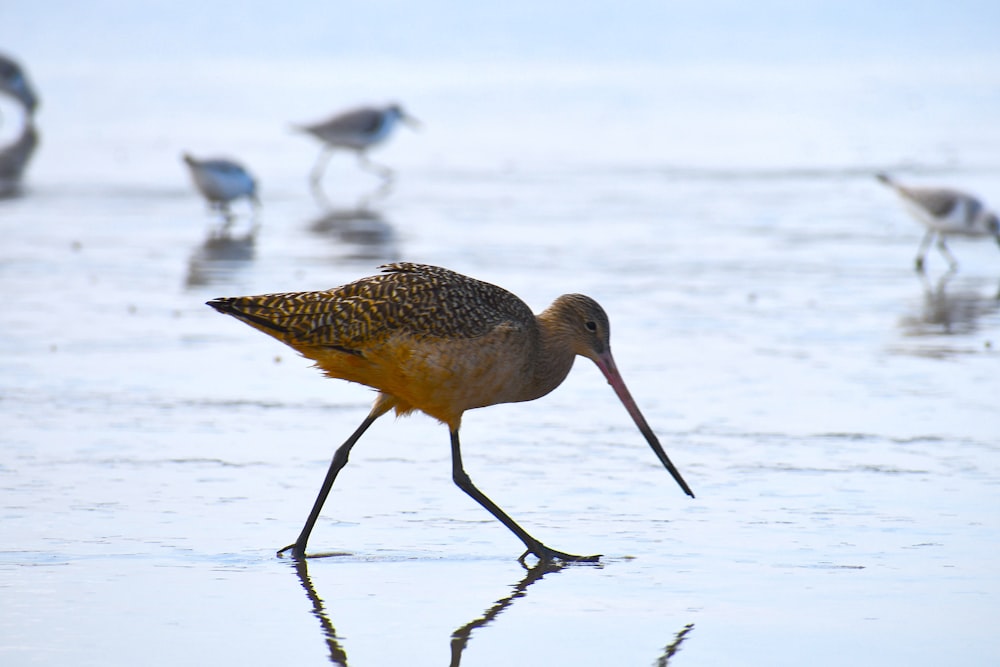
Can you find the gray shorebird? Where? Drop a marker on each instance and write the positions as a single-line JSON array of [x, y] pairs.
[[945, 212], [15, 156], [356, 130], [433, 340], [221, 182]]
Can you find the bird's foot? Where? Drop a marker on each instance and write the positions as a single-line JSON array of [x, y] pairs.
[[298, 553], [545, 554]]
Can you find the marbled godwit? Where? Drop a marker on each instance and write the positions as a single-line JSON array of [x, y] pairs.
[[945, 212], [356, 130], [433, 340], [15, 156], [221, 182]]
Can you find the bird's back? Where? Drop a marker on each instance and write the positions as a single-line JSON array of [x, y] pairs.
[[356, 129], [221, 180], [433, 338], [413, 299], [945, 210]]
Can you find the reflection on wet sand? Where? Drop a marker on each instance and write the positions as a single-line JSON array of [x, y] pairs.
[[220, 256], [383, 190], [460, 637], [337, 654], [361, 231], [954, 311], [673, 647]]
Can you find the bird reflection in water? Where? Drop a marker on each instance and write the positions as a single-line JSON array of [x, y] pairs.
[[337, 654], [360, 231], [674, 646], [220, 256], [949, 311], [460, 637]]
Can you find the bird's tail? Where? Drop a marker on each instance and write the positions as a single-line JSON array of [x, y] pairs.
[[254, 311]]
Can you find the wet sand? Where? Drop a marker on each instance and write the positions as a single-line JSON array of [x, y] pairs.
[[834, 411]]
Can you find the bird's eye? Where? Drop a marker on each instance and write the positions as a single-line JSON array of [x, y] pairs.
[[591, 325]]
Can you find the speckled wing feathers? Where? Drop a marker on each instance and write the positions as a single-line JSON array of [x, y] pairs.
[[412, 299]]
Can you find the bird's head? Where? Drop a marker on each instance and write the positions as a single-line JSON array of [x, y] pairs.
[[14, 82], [584, 324], [398, 113]]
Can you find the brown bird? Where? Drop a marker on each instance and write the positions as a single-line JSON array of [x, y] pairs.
[[433, 340]]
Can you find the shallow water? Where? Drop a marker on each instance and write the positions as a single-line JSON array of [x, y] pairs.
[[833, 410]]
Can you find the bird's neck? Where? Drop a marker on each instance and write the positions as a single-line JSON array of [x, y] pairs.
[[554, 358]]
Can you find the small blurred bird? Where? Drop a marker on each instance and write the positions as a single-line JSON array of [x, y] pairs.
[[222, 181], [945, 212], [14, 157], [356, 130]]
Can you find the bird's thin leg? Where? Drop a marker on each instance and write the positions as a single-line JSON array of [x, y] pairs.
[[534, 546], [254, 215], [922, 250], [316, 175], [952, 262], [339, 461], [227, 217], [386, 173]]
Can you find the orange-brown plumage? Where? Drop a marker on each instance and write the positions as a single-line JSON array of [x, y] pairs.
[[428, 338], [433, 340]]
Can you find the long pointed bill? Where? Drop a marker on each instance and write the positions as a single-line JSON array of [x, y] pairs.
[[607, 365]]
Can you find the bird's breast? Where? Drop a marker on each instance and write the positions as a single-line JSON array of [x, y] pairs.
[[441, 376]]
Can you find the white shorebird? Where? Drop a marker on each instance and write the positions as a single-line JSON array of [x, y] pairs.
[[221, 182], [356, 130], [15, 156], [945, 212]]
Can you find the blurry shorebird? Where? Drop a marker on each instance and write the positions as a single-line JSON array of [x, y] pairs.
[[221, 182], [355, 130], [945, 212], [433, 340], [15, 156]]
